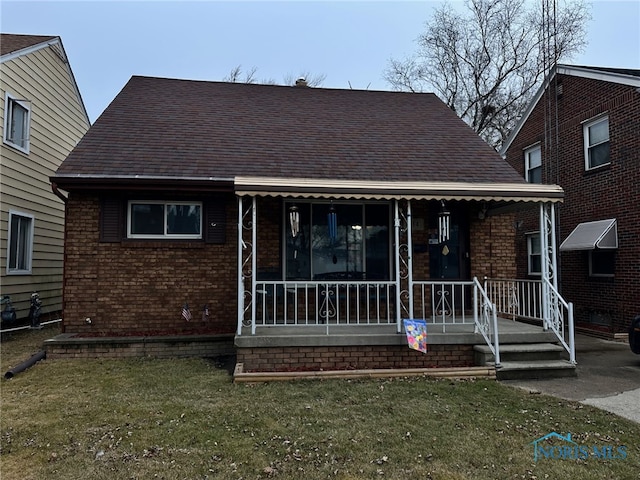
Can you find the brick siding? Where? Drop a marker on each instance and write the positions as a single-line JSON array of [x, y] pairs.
[[611, 191]]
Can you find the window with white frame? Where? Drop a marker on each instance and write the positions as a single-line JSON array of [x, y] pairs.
[[158, 219], [533, 164], [534, 257], [596, 143], [16, 126], [20, 243]]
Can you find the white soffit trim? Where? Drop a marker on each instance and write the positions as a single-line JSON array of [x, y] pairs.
[[590, 235], [333, 188], [55, 41]]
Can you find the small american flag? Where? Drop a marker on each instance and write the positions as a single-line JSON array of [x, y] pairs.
[[186, 313]]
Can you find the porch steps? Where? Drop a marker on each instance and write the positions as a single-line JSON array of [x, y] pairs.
[[527, 361]]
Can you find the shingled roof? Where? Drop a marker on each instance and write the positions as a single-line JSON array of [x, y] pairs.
[[10, 42], [186, 130]]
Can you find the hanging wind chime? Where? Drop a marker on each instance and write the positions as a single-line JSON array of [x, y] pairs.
[[294, 223], [332, 223], [444, 218]]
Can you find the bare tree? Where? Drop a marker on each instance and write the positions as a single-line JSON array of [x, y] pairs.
[[487, 61], [236, 75]]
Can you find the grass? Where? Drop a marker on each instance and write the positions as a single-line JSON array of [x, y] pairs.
[[185, 419]]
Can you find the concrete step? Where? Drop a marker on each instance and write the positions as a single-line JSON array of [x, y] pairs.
[[519, 352], [536, 369]]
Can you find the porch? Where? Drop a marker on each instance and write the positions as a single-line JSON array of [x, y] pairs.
[[343, 276]]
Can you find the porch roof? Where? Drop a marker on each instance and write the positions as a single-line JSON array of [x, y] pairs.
[[378, 190]]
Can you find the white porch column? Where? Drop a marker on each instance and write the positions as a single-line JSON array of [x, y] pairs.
[[246, 264], [410, 258], [396, 225], [240, 278], [404, 264], [548, 263]]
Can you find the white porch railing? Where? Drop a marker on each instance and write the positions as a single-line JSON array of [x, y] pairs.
[[441, 303], [526, 299], [281, 303], [444, 303], [458, 303], [515, 298]]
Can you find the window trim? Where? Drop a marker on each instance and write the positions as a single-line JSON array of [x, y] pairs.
[[585, 139], [530, 237], [10, 233], [9, 100], [527, 161], [164, 235]]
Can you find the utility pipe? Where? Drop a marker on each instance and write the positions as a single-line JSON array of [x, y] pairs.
[[36, 357]]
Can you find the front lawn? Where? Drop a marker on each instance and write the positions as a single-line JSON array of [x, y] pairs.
[[185, 419]]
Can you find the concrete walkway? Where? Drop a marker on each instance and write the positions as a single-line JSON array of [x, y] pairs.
[[608, 378]]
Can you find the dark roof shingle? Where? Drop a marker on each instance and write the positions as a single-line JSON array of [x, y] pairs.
[[10, 42], [183, 128]]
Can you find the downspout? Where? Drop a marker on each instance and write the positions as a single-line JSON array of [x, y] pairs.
[[65, 200], [58, 193]]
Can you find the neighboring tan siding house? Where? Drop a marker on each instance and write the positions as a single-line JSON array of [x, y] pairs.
[[591, 148], [43, 118]]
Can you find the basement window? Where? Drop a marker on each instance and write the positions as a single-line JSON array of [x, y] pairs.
[[157, 220]]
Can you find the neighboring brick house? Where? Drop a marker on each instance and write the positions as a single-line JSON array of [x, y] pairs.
[[582, 132], [42, 119], [263, 208]]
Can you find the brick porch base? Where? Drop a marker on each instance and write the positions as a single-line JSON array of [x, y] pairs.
[[357, 357]]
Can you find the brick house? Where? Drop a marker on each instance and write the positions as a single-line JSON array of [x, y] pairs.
[[305, 222], [582, 132]]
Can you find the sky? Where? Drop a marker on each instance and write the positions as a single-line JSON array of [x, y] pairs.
[[349, 42]]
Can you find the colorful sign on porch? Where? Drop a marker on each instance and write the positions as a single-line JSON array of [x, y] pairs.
[[416, 331]]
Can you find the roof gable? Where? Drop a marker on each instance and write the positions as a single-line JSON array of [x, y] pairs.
[[182, 129], [614, 75], [14, 44]]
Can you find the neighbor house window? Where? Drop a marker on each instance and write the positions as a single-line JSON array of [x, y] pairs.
[[601, 263], [16, 126], [356, 247], [533, 254], [533, 164], [151, 219], [596, 143], [20, 243]]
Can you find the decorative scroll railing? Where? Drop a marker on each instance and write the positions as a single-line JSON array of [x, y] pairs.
[[281, 303]]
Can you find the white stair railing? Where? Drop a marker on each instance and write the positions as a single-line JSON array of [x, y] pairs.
[[485, 315], [560, 319], [526, 299]]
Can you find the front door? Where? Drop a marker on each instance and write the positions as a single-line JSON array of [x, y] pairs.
[[449, 260]]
